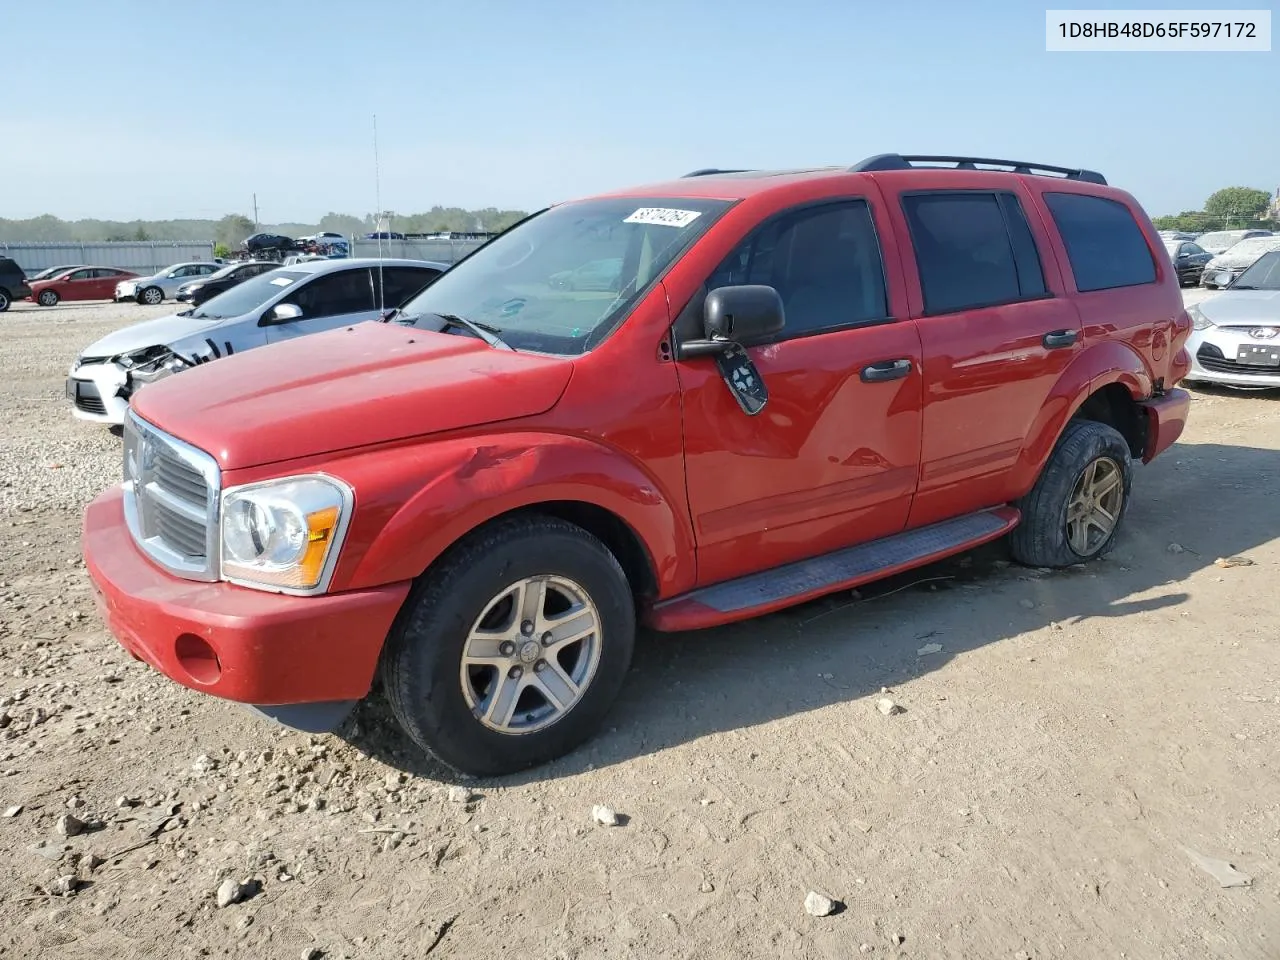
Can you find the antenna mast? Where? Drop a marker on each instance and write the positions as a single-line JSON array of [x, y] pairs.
[[377, 226]]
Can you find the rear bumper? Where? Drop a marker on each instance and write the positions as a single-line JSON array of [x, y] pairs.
[[263, 649], [1166, 419]]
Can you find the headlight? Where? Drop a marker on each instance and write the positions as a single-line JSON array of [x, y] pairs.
[[192, 287], [1198, 320], [284, 534]]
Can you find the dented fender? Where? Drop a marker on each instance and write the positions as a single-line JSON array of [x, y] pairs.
[[414, 502]]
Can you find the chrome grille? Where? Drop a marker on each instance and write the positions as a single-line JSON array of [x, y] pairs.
[[171, 494]]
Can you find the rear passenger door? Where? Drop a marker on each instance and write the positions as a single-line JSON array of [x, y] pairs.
[[996, 334], [328, 301]]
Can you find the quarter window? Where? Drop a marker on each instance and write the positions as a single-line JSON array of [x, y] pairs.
[[1105, 245], [824, 261], [972, 250]]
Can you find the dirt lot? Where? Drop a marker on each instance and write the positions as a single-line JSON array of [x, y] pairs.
[[1075, 735]]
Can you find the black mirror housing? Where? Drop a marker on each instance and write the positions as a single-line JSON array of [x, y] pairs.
[[742, 313]]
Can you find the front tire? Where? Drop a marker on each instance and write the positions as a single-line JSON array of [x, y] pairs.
[[511, 652], [48, 298], [5, 300], [151, 296], [1076, 508]]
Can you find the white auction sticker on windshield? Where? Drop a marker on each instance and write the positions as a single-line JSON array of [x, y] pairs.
[[664, 216], [282, 281]]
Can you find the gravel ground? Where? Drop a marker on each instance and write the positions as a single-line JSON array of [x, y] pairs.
[[1073, 746]]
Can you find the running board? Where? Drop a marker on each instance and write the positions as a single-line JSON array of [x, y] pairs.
[[792, 583]]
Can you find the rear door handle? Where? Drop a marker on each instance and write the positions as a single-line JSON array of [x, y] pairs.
[[886, 370], [1060, 338]]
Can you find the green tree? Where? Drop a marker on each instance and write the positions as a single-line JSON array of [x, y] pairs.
[[1238, 205], [221, 250], [233, 228], [141, 233]]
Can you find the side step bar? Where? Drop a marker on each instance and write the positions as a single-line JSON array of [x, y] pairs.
[[792, 583]]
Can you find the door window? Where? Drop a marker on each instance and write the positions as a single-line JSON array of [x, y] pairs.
[[80, 275], [1104, 243], [823, 260], [348, 291], [973, 249]]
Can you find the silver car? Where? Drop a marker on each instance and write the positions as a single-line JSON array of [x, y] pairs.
[[279, 305], [1235, 336], [165, 284]]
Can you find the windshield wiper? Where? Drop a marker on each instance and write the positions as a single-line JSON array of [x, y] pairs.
[[485, 331], [1243, 286]]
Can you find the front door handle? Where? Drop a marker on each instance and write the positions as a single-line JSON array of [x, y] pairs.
[[886, 370], [1060, 338]]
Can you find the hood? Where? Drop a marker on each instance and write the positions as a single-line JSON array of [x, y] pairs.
[[1229, 259], [347, 388], [1243, 308], [149, 333]]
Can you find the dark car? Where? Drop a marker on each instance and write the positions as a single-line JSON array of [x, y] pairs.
[[13, 283], [205, 288], [261, 242], [1189, 258]]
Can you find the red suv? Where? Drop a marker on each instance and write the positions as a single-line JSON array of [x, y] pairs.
[[793, 382]]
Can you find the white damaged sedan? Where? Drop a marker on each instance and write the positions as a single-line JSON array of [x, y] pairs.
[[1235, 336]]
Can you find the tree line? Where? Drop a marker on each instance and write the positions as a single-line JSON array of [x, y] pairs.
[[234, 227], [1231, 208]]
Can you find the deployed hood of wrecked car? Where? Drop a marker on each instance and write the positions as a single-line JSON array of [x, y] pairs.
[[162, 331]]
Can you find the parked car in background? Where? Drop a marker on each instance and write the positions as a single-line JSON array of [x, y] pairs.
[[1235, 338], [155, 288], [86, 283], [1176, 235], [805, 382], [384, 235], [1221, 240], [277, 305], [1237, 259], [265, 242], [48, 273], [13, 283], [196, 292], [1189, 258]]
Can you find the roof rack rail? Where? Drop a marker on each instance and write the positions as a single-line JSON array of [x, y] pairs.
[[710, 171], [897, 161]]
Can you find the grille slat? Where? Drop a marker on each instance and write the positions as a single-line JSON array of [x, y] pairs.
[[171, 496]]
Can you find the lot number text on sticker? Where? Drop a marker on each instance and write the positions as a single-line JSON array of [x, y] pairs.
[[664, 216]]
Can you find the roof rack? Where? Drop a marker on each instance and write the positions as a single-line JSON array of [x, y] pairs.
[[710, 171], [897, 161]]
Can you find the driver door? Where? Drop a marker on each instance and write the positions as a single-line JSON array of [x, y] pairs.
[[327, 302], [832, 458]]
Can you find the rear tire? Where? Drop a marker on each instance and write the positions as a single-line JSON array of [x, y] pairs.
[[48, 298], [5, 300], [474, 649], [1078, 504]]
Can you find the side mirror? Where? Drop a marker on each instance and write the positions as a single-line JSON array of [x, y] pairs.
[[282, 313], [1184, 256], [735, 315]]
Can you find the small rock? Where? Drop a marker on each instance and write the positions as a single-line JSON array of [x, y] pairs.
[[707, 886], [392, 841], [604, 816], [1176, 548], [70, 825], [394, 779], [123, 803], [866, 948], [460, 795], [1027, 604], [64, 886], [312, 953], [75, 803], [1022, 954], [818, 905], [898, 939], [860, 825], [11, 811], [229, 892], [929, 648], [1225, 562], [1225, 873], [888, 706]]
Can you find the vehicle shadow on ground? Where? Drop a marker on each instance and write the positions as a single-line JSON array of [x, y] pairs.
[[1197, 503]]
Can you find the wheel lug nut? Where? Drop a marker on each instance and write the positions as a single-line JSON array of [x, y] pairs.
[[540, 666], [515, 673], [527, 628], [508, 648], [546, 639]]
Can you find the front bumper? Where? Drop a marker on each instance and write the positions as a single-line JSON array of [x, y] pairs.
[[1214, 358], [298, 659], [125, 291], [92, 390]]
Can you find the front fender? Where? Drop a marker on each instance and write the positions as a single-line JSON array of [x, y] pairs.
[[413, 503], [1097, 366]]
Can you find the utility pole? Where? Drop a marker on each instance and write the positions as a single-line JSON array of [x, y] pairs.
[[255, 211]]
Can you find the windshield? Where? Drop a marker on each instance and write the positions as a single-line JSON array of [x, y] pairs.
[[249, 295], [1171, 246], [562, 280], [1221, 239], [1254, 246], [1264, 274]]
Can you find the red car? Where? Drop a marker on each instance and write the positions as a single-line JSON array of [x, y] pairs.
[[798, 381], [83, 283]]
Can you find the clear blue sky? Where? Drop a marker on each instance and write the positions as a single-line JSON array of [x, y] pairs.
[[125, 108]]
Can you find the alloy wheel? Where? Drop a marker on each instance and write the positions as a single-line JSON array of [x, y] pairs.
[[1094, 508]]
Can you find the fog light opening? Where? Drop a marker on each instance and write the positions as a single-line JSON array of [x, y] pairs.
[[197, 658]]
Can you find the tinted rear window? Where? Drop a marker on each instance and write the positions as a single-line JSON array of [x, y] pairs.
[[1104, 243]]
